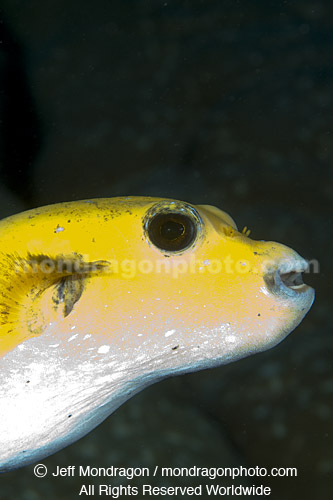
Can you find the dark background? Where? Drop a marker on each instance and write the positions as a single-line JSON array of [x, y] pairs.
[[227, 103]]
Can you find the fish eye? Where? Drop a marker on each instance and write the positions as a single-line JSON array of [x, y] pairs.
[[172, 231]]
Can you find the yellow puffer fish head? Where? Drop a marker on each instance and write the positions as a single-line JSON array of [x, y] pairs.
[[100, 298]]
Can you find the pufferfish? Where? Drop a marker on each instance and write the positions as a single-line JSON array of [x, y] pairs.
[[101, 298]]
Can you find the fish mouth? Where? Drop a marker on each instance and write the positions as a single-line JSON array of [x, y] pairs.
[[292, 280], [286, 279]]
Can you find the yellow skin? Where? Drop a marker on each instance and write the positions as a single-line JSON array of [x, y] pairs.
[[92, 310]]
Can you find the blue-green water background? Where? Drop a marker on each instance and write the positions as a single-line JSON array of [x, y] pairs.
[[219, 102]]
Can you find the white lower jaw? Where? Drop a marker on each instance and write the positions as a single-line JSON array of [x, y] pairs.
[[301, 293]]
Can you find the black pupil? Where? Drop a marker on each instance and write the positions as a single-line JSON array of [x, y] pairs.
[[172, 231]]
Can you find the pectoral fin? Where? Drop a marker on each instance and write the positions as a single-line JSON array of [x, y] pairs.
[[39, 289]]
